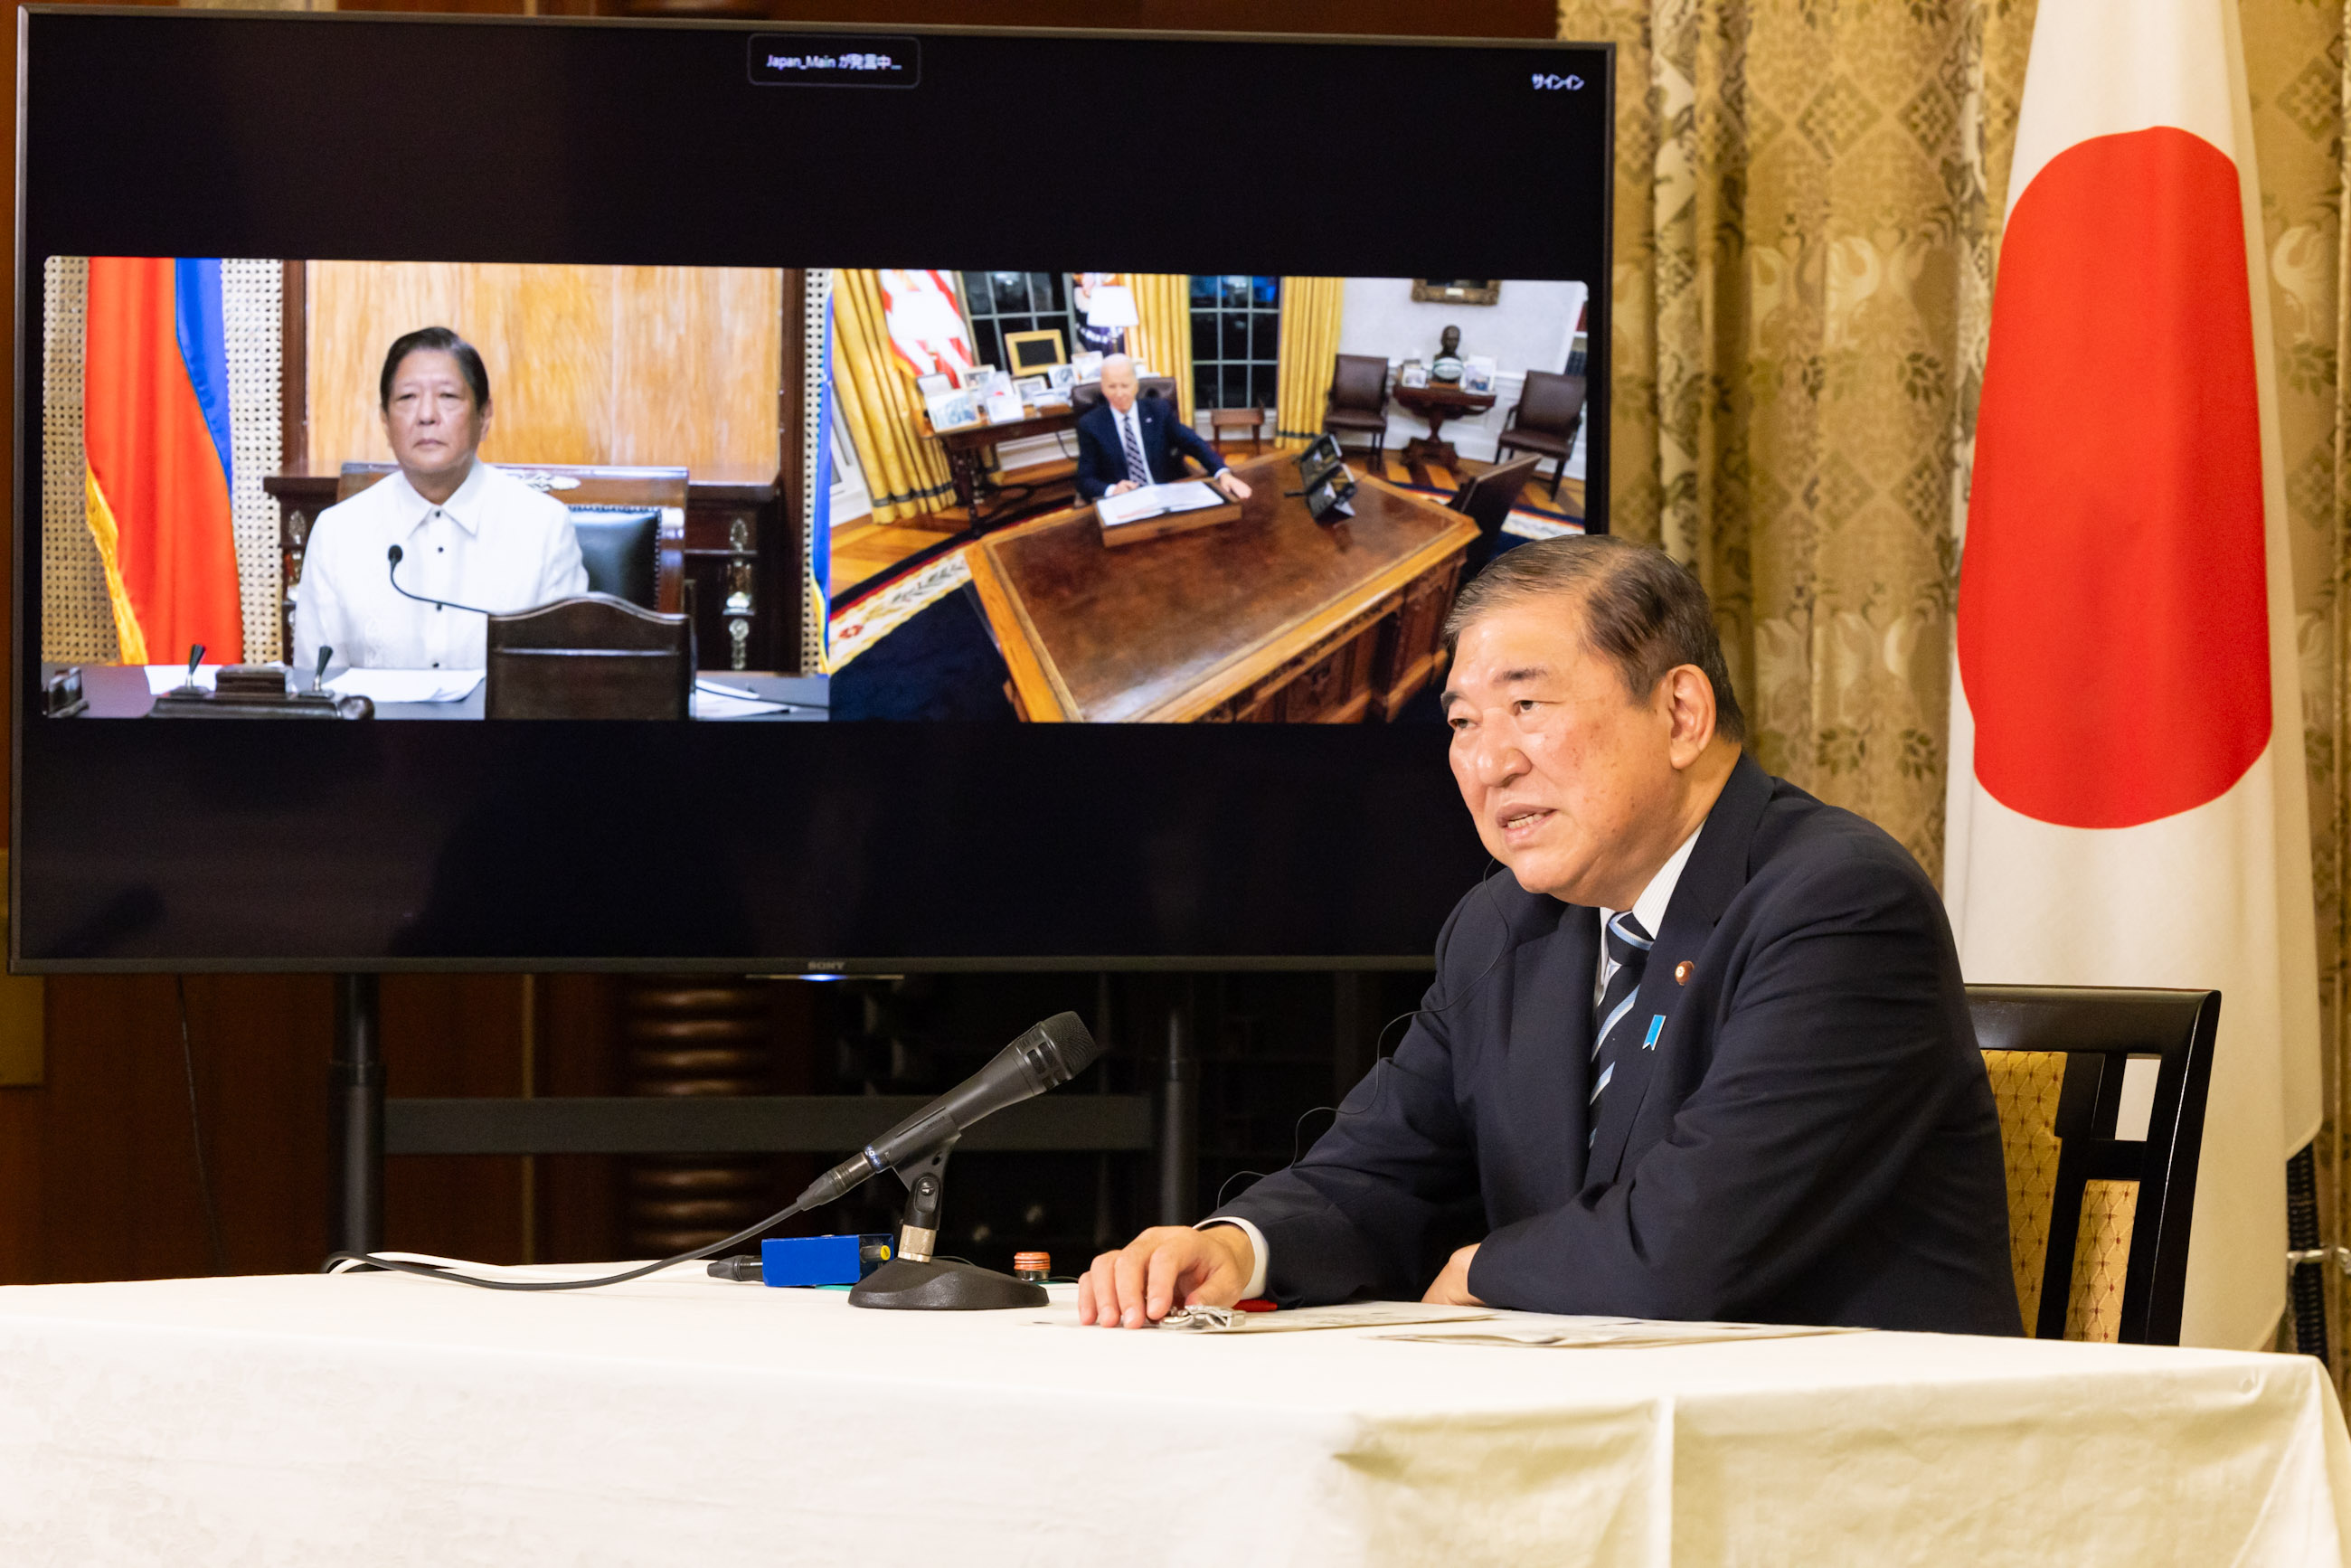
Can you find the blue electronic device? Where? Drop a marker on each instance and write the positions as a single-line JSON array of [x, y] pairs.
[[822, 1259]]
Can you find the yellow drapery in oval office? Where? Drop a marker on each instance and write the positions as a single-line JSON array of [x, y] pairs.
[[905, 473], [1311, 309]]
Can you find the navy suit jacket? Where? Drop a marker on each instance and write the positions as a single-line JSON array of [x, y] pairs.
[[1166, 440], [1811, 1139]]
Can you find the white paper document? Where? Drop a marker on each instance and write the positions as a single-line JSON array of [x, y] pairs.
[[732, 703], [1348, 1315], [407, 685], [1158, 501], [1614, 1333], [161, 678]]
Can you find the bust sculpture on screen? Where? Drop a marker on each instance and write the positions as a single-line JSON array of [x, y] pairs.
[[469, 534], [1703, 1054]]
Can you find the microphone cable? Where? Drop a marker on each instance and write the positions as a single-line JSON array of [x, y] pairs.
[[392, 558], [336, 1261]]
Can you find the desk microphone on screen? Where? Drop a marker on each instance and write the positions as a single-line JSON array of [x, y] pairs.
[[391, 569]]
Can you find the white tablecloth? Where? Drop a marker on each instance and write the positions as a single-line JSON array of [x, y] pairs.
[[386, 1420]]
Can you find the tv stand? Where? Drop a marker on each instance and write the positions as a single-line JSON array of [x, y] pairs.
[[355, 1112]]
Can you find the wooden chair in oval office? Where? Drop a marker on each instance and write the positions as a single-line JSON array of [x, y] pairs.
[[1358, 402], [1485, 499], [1545, 420], [2098, 1222]]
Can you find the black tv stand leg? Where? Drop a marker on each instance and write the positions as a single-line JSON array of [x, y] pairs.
[[355, 1117]]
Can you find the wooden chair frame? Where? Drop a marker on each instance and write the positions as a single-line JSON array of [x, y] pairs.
[[2098, 1030]]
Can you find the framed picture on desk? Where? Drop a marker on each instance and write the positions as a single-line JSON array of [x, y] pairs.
[[1033, 354], [953, 411]]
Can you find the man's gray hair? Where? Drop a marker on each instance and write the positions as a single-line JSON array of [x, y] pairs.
[[1642, 608]]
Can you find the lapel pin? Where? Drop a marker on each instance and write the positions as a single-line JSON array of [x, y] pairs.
[[1682, 972]]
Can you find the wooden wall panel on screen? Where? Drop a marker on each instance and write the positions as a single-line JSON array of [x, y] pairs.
[[553, 328], [698, 351], [663, 366]]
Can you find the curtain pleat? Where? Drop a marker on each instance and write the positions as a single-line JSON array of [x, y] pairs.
[[1310, 309], [905, 472], [1163, 339]]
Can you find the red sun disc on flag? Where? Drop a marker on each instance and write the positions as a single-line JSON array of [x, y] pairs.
[[2114, 606]]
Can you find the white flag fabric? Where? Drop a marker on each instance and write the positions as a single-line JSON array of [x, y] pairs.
[[2126, 799]]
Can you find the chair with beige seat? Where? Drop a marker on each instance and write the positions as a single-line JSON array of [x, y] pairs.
[[2098, 1215]]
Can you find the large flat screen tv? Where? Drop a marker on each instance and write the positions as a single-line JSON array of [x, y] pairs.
[[750, 567]]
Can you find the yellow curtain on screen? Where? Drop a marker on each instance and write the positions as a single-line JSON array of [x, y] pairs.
[[905, 472], [1164, 341], [1310, 349]]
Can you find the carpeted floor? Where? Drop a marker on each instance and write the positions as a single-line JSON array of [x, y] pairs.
[[937, 664]]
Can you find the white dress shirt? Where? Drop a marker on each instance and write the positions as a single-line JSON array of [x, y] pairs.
[[1650, 909], [497, 544]]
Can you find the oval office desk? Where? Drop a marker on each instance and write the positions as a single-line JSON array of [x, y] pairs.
[[385, 1419], [1269, 618]]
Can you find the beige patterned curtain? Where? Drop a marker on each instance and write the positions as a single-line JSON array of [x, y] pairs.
[[1808, 205]]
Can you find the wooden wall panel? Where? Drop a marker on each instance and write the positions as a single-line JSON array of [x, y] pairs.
[[659, 366]]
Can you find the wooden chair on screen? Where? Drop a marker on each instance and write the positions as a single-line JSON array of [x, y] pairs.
[[595, 656], [2097, 1224], [1487, 499], [1544, 421]]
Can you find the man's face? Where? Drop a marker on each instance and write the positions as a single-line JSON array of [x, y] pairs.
[[1569, 779], [431, 418], [1118, 386]]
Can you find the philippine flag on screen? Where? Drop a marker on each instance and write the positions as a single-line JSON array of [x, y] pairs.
[[2126, 799], [156, 433]]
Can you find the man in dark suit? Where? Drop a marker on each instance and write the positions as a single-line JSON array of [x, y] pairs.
[[1123, 428], [1710, 1057]]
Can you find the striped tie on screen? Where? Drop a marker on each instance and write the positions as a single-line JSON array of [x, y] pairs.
[[1628, 947], [1136, 468]]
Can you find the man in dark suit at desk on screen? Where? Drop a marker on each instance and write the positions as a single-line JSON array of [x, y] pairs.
[[1127, 442], [1705, 1053]]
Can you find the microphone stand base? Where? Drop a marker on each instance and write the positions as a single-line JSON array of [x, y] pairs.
[[937, 1286]]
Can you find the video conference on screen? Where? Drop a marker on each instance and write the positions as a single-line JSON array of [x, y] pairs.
[[229, 467]]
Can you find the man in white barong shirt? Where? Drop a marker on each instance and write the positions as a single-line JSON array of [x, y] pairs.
[[469, 534]]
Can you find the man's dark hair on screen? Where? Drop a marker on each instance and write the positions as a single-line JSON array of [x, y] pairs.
[[468, 358], [1642, 610]]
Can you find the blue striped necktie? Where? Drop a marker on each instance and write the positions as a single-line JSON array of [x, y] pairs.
[[1628, 946], [1137, 469]]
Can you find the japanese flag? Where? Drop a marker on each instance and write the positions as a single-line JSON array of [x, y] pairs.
[[2127, 796], [2125, 727]]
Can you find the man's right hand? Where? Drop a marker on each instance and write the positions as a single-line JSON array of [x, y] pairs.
[[1123, 486], [1141, 1283]]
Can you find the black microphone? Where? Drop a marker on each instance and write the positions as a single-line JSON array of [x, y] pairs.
[[391, 567], [1053, 1052]]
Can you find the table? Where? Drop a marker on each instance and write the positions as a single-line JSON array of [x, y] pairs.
[[967, 445], [1273, 618], [120, 691], [307, 1419], [1434, 403]]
